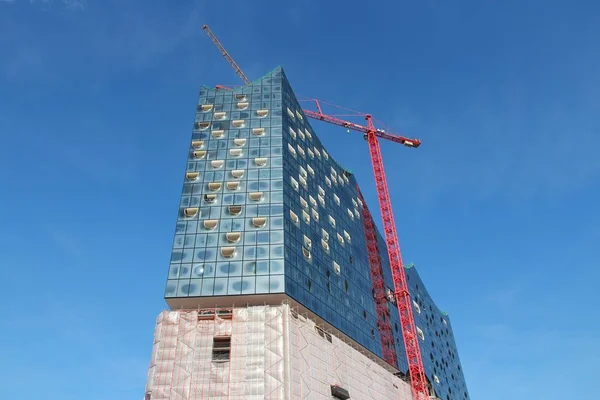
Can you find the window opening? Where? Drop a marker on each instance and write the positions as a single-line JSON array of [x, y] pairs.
[[221, 349]]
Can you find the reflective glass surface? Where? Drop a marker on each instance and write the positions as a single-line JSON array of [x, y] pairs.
[[266, 209]]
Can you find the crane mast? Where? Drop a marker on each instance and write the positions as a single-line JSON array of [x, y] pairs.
[[407, 321], [409, 332]]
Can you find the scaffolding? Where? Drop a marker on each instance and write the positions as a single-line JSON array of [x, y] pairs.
[[259, 352]]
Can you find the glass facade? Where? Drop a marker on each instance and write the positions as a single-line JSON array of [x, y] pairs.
[[266, 209]]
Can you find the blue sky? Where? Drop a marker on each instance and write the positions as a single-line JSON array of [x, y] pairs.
[[498, 208]]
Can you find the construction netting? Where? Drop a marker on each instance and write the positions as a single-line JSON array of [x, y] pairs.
[[259, 352]]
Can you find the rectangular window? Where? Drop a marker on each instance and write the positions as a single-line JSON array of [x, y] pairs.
[[221, 348]]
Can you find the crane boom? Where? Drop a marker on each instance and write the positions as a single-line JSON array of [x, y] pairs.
[[350, 125], [225, 54]]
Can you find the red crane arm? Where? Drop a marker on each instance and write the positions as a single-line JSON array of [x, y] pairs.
[[360, 128]]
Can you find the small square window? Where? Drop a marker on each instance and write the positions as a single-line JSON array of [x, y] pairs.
[[221, 349]]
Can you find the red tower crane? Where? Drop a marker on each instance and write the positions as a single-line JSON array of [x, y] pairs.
[[409, 332], [403, 302]]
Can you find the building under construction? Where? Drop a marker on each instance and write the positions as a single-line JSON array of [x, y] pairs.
[[280, 285]]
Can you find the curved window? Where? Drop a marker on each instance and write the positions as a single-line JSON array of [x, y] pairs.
[[219, 115], [303, 202], [241, 97], [255, 196], [302, 181], [216, 164], [306, 253], [197, 144], [347, 236], [190, 212], [210, 224], [258, 131], [337, 268], [199, 153], [214, 186], [306, 217], [293, 216], [233, 237], [315, 215], [417, 308], [217, 133], [237, 123], [292, 132], [325, 244], [232, 185], [228, 252], [237, 173], [294, 183], [260, 161], [235, 210], [291, 149], [239, 142], [207, 107], [192, 176], [235, 152], [242, 105], [259, 222], [210, 198], [307, 242], [262, 113], [202, 125]]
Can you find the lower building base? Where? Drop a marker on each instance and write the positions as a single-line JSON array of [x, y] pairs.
[[260, 352]]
